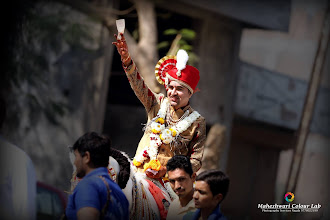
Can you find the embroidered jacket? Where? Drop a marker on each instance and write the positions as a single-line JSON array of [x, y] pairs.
[[191, 142]]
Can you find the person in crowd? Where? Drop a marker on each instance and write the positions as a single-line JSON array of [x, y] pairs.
[[96, 196], [211, 188], [173, 128], [181, 178]]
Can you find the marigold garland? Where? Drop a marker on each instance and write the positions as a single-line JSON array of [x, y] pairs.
[[161, 134], [153, 164], [136, 163]]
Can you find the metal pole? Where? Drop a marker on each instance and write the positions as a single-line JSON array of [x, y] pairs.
[[309, 105]]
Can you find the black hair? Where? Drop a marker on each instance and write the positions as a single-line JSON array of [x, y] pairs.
[[181, 162], [217, 181], [124, 165], [97, 145]]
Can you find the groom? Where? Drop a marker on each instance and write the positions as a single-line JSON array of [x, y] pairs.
[[173, 127]]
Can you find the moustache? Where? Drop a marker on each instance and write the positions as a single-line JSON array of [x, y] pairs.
[[178, 189]]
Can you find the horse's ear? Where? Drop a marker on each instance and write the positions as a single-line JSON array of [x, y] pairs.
[[72, 158], [126, 155]]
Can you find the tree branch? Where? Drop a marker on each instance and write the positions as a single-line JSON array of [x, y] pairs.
[[147, 45], [144, 52]]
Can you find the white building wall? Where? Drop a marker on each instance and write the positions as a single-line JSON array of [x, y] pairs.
[[293, 54], [289, 53]]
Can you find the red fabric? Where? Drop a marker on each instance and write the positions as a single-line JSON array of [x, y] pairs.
[[189, 75], [159, 198], [149, 93], [165, 67]]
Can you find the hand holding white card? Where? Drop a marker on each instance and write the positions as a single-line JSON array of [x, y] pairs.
[[120, 27]]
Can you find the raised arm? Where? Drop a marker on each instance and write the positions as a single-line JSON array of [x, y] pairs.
[[122, 49], [141, 90]]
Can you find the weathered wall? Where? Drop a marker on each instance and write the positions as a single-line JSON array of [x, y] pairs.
[[77, 77], [289, 53], [219, 45], [313, 181], [292, 54], [217, 58]]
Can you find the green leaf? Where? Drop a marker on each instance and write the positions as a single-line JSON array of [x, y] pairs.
[[188, 34], [171, 32], [187, 47], [182, 42], [163, 44]]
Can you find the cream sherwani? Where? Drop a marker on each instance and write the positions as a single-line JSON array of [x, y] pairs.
[[192, 140]]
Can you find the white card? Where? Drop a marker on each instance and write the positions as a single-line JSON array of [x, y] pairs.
[[120, 27]]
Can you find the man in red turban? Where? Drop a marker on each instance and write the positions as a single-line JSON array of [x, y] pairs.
[[174, 127]]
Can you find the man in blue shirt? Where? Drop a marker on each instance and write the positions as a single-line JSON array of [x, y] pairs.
[[211, 188], [96, 196]]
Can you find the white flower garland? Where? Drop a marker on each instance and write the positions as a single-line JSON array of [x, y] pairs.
[[161, 134]]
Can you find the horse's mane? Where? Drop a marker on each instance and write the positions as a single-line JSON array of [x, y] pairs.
[[124, 164]]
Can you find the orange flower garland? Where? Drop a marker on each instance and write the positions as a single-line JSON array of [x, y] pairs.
[[153, 164]]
